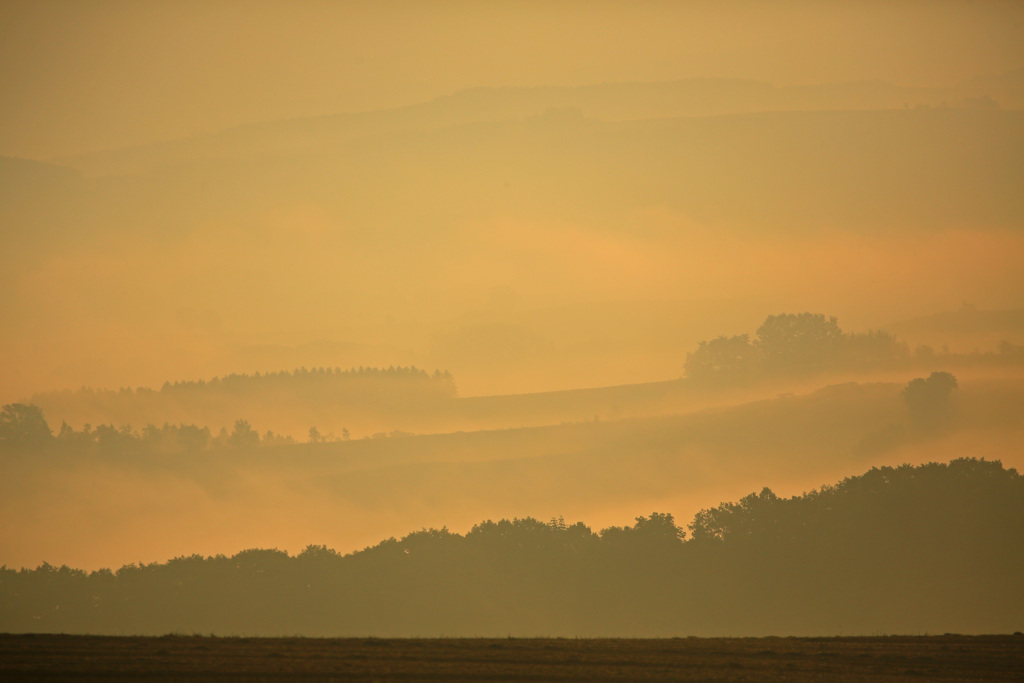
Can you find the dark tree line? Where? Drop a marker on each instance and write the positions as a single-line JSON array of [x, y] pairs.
[[289, 397], [24, 430], [303, 379], [934, 548]]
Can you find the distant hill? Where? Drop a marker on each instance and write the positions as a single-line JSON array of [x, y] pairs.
[[368, 399], [353, 493], [964, 329], [16, 174], [785, 171], [789, 352], [38, 204], [699, 97]]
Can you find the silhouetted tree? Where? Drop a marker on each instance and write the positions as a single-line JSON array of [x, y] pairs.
[[272, 439], [113, 440], [192, 438], [659, 527], [873, 349], [801, 343], [243, 435], [723, 359], [928, 400], [730, 521], [23, 426]]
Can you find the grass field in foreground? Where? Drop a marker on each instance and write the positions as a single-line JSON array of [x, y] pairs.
[[889, 658]]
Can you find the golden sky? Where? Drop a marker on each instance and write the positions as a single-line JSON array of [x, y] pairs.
[[391, 233], [83, 76]]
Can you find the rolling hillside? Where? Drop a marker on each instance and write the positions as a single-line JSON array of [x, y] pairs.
[[349, 494]]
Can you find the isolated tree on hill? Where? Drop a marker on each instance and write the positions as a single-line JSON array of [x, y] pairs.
[[928, 400], [23, 426]]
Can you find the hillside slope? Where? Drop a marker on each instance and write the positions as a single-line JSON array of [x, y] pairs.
[[349, 494]]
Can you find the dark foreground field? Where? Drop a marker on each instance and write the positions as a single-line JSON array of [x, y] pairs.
[[101, 658]]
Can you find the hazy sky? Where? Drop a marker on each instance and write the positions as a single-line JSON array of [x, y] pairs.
[[81, 76], [372, 245]]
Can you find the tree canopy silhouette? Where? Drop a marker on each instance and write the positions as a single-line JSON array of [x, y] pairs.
[[793, 345], [928, 400], [801, 343], [23, 426]]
